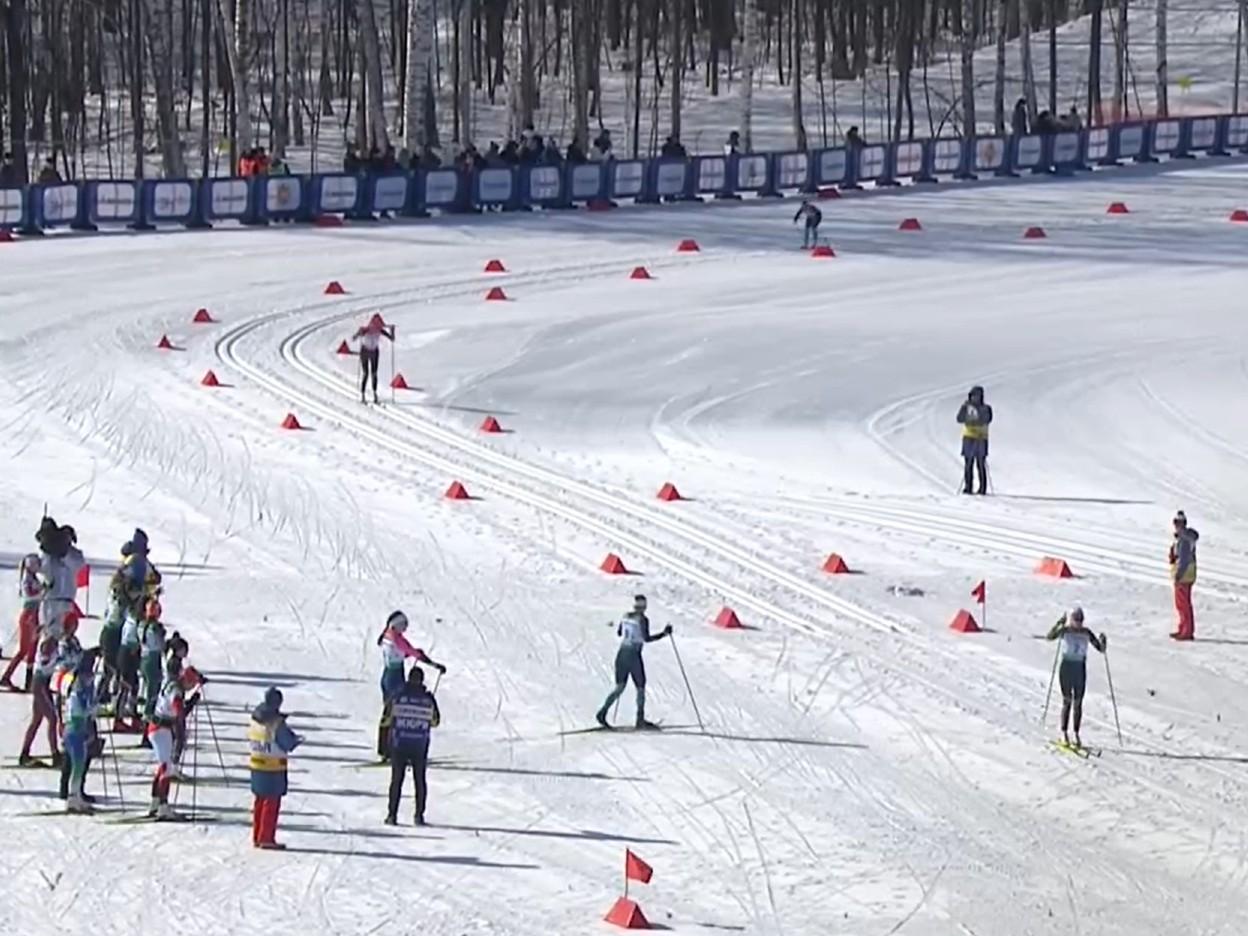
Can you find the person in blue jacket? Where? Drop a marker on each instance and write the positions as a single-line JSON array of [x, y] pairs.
[[270, 741], [414, 713]]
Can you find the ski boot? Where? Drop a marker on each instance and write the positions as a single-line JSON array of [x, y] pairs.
[[78, 806], [643, 725], [601, 718], [392, 819], [420, 818]]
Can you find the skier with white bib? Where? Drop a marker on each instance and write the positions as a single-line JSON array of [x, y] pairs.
[[634, 633], [1072, 673], [395, 649], [59, 562], [369, 338]]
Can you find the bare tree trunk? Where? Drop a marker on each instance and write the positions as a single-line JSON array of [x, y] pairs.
[[528, 79], [16, 58], [162, 74], [998, 87], [676, 54], [418, 89], [280, 116], [1094, 64], [463, 59], [1027, 25], [795, 73], [1053, 57], [749, 53], [580, 73], [325, 84], [1163, 100], [967, 32], [235, 62], [378, 135], [1120, 63]]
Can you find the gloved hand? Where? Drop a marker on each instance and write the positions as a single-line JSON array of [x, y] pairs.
[[1105, 641], [667, 631], [440, 668]]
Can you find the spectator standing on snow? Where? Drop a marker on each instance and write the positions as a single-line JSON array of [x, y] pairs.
[[1018, 123], [975, 416], [854, 140], [270, 741], [49, 175], [733, 146], [1183, 574], [1072, 674], [634, 633], [813, 216], [414, 712]]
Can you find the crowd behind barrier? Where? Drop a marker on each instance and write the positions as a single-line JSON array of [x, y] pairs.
[[259, 200]]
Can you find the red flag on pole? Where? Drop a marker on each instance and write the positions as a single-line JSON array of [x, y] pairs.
[[84, 577], [635, 869], [979, 592]]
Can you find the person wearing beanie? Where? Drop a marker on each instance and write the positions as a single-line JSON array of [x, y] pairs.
[[415, 714], [79, 728], [975, 416], [270, 741], [1183, 574]]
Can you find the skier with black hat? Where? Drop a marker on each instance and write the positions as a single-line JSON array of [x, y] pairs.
[[1072, 674], [634, 633], [414, 713]]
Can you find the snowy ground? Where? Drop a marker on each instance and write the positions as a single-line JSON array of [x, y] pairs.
[[863, 769]]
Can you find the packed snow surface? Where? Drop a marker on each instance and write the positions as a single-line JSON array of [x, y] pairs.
[[863, 769]]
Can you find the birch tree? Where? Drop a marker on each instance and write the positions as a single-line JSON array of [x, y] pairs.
[[378, 135], [235, 62], [161, 57], [998, 84], [1163, 99], [418, 85], [1027, 24], [749, 53], [968, 31]]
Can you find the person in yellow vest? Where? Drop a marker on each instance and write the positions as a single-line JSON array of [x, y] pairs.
[[270, 742], [975, 416], [1183, 574]]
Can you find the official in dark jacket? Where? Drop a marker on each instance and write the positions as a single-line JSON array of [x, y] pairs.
[[415, 713], [975, 416]]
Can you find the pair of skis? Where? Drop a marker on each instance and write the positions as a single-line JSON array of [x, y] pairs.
[[1076, 750]]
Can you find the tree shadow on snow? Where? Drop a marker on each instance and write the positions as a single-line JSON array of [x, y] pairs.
[[764, 739], [588, 835], [1207, 758], [1054, 499], [470, 861], [529, 772]]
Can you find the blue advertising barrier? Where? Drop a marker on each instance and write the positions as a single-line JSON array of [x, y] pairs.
[[259, 200]]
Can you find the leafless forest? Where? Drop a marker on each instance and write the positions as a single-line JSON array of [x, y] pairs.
[[122, 86]]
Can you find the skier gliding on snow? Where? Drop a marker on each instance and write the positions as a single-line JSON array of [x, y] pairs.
[[634, 633], [370, 352], [975, 417], [1073, 673], [813, 216]]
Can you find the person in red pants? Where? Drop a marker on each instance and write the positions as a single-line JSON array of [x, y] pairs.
[[27, 624], [271, 742], [1183, 574]]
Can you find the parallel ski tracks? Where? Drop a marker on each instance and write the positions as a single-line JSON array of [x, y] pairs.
[[615, 517]]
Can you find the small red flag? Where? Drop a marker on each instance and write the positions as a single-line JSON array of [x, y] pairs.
[[84, 577], [978, 592], [635, 869]]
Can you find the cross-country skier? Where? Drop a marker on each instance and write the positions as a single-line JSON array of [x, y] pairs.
[[634, 633], [152, 642], [1072, 674], [30, 590], [369, 338], [125, 601], [166, 714], [129, 654], [59, 562], [79, 720], [42, 705], [813, 216], [94, 743], [1183, 574], [414, 712], [395, 648], [271, 742], [975, 416]]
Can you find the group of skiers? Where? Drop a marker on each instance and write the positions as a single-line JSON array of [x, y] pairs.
[[71, 687]]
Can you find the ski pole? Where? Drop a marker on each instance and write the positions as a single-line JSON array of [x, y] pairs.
[[1052, 676], [121, 797], [195, 764], [216, 743], [688, 688], [437, 682], [392, 388], [1112, 698], [103, 769]]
